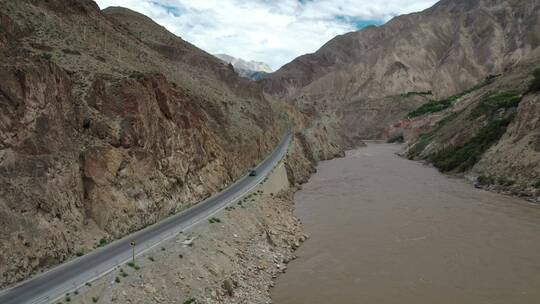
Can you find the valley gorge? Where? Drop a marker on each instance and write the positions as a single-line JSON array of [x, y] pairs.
[[110, 123]]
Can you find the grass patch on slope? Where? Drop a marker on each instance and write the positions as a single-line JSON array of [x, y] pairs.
[[496, 101], [435, 106], [413, 93], [463, 157], [426, 138], [432, 107]]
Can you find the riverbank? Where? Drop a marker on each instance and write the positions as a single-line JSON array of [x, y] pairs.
[[388, 230]]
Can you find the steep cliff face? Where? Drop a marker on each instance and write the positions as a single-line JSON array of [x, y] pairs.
[[41, 192], [109, 123], [357, 77]]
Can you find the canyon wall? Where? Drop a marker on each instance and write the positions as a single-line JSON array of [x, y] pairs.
[[110, 123]]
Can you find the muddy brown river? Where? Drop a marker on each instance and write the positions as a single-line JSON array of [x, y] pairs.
[[388, 230]]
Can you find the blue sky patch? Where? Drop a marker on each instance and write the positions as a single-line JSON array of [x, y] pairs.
[[359, 23], [172, 10]]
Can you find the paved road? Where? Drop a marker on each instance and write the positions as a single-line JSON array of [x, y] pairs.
[[53, 284]]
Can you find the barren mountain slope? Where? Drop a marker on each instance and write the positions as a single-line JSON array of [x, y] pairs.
[[357, 77], [491, 134], [109, 123]]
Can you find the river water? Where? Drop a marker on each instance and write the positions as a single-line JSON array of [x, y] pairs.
[[388, 230]]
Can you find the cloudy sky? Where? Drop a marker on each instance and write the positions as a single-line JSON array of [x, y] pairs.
[[271, 31]]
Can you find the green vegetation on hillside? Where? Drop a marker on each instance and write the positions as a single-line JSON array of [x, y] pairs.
[[491, 180], [486, 180], [45, 56], [434, 106], [190, 301], [409, 94], [496, 101], [136, 75], [534, 86], [463, 157], [426, 138], [460, 158]]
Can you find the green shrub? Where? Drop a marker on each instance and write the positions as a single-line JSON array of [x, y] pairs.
[[432, 107], [534, 86], [214, 220], [133, 265], [45, 56], [102, 242], [461, 158], [496, 101], [537, 185], [189, 301], [136, 75], [409, 94], [439, 105], [151, 259], [80, 253], [503, 181], [485, 180], [117, 280], [95, 299]]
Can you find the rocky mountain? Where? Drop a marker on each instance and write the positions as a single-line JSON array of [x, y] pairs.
[[109, 123], [250, 69], [365, 80], [490, 132]]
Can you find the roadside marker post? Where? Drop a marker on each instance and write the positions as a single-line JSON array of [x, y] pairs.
[[133, 250]]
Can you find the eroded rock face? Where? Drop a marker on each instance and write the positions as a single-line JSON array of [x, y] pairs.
[[161, 155], [110, 123], [41, 192]]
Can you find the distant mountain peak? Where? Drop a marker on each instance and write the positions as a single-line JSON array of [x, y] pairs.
[[250, 69]]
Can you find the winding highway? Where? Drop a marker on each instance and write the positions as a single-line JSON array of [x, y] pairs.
[[53, 284]]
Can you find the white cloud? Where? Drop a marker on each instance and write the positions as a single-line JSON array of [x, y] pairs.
[[271, 31]]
